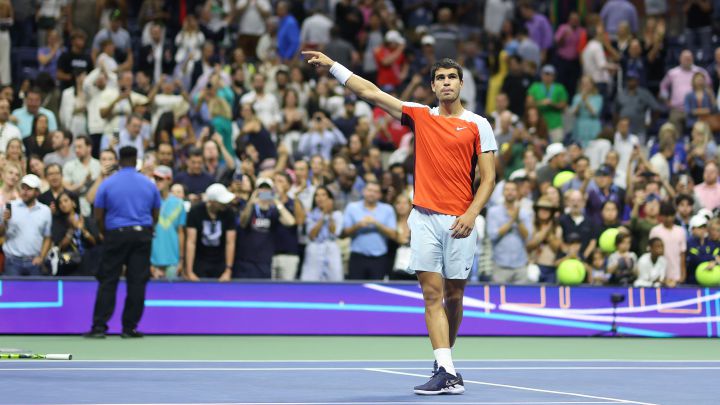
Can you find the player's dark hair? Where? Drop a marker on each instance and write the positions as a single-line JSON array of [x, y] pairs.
[[445, 63]]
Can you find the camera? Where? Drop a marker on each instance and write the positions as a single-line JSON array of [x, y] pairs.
[[266, 195]]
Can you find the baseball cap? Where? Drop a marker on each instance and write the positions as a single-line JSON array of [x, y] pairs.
[[394, 36], [549, 69], [31, 181], [697, 221], [163, 172], [604, 170], [264, 181], [427, 40], [218, 193], [519, 174], [553, 150]]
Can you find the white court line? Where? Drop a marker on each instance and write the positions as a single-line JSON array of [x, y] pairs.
[[376, 361], [599, 368], [624, 401], [383, 403]]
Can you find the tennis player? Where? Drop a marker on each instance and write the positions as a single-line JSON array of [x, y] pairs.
[[449, 142]]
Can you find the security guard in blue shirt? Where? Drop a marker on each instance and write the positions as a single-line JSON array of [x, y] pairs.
[[126, 209]]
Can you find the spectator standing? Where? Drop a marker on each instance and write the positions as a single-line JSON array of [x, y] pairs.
[[651, 266], [538, 27], [119, 37], [587, 107], [322, 138], [677, 83], [370, 223], [73, 107], [48, 56], [126, 208], [81, 172], [195, 178], [707, 193], [288, 32], [575, 221], [286, 260], [675, 245], [74, 61], [31, 108], [8, 130], [258, 224], [6, 22], [615, 12], [74, 236], [601, 191], [567, 55], [392, 68], [551, 99], [700, 101], [62, 152], [211, 235], [323, 260], [27, 230], [700, 248], [546, 240], [634, 101], [39, 142], [509, 228], [251, 24], [168, 246]]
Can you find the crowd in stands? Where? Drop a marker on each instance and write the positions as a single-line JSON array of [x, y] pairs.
[[605, 114]]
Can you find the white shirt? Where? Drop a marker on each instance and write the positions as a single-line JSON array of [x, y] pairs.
[[188, 43], [594, 62], [266, 107], [650, 274], [96, 123], [316, 30], [122, 108], [496, 12], [624, 148], [74, 122], [660, 164], [8, 131], [252, 21], [26, 229]]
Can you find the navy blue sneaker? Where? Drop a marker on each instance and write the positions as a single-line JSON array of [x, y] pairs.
[[435, 367], [441, 383]]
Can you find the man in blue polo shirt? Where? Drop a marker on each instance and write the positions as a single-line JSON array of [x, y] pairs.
[[370, 223], [126, 208]]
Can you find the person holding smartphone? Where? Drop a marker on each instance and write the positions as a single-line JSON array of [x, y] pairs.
[[26, 225], [258, 223]]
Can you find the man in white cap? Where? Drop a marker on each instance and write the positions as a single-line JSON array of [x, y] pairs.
[[551, 99], [167, 255], [26, 224], [210, 245], [555, 161]]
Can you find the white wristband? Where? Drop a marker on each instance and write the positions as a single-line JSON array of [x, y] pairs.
[[341, 73]]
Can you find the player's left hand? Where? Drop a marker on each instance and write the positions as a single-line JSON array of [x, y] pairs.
[[463, 226]]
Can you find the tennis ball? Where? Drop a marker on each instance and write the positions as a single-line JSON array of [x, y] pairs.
[[562, 178], [707, 277], [607, 240], [571, 272]]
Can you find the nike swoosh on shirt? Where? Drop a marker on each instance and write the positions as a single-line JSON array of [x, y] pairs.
[[460, 128]]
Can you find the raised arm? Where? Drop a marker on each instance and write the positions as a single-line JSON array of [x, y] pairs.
[[363, 88]]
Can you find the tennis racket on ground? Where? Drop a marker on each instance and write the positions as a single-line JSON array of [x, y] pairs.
[[34, 356]]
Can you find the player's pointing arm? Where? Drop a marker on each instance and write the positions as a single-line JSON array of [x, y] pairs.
[[363, 88]]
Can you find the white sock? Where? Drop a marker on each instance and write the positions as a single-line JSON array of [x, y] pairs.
[[444, 359]]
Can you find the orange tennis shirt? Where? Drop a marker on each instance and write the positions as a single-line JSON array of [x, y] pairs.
[[446, 152]]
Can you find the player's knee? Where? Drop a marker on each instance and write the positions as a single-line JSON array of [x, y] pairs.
[[454, 300], [432, 295]]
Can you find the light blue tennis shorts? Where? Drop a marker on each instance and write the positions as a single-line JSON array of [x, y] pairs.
[[434, 249]]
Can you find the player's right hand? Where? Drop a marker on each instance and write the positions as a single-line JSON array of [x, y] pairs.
[[316, 58]]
